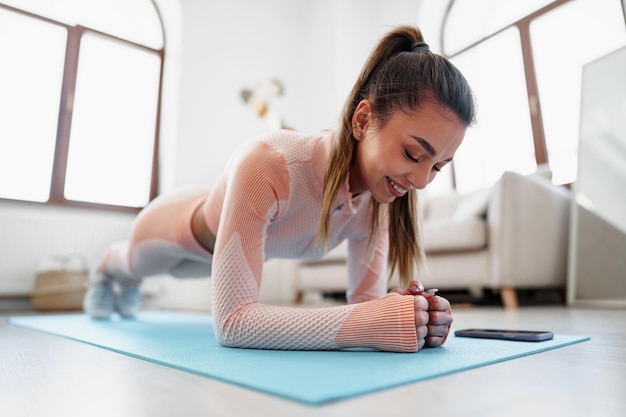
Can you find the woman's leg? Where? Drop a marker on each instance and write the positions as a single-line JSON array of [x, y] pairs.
[[161, 242]]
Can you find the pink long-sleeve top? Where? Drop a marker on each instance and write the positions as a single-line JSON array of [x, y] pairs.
[[267, 205]]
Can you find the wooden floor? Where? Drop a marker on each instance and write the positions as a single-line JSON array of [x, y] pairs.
[[44, 375]]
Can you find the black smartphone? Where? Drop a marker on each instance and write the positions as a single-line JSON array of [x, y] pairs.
[[521, 335]]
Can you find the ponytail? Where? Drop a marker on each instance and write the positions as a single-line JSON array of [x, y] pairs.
[[400, 75]]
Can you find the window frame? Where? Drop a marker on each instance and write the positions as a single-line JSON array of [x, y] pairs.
[[61, 150], [532, 86]]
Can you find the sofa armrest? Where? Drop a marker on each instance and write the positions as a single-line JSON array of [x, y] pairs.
[[528, 223]]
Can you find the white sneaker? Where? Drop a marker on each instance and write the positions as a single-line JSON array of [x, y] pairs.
[[128, 301], [98, 301]]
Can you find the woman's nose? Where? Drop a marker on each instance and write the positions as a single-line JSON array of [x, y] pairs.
[[420, 177]]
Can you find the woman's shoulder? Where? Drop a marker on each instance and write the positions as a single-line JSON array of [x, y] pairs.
[[296, 146], [277, 154]]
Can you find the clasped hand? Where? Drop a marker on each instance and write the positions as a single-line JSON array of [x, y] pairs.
[[433, 316]]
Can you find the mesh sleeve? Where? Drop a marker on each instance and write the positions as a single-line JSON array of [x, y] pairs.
[[257, 194]]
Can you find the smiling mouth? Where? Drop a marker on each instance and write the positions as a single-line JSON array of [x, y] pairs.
[[395, 189]]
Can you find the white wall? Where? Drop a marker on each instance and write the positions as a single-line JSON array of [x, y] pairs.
[[316, 48]]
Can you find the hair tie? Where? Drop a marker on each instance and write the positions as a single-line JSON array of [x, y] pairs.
[[420, 46]]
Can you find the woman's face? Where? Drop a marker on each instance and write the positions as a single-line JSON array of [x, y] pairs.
[[405, 153]]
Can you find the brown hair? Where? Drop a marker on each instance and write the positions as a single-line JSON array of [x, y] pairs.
[[395, 78]]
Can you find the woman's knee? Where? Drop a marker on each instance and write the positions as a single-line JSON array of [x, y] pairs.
[[191, 269]]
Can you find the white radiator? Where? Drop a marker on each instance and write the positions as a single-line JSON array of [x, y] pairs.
[[30, 234]]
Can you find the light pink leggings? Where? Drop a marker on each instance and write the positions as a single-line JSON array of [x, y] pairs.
[[161, 241]]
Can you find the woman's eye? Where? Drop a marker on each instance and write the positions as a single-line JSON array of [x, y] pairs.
[[410, 157]]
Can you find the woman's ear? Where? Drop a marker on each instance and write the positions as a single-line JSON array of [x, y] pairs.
[[361, 118]]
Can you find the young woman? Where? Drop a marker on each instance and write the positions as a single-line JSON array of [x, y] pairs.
[[290, 195]]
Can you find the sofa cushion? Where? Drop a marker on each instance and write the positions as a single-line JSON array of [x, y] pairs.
[[457, 206], [473, 205], [451, 235], [440, 207]]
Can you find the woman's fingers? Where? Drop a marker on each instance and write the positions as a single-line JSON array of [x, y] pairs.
[[422, 316], [432, 315], [439, 321], [437, 303], [437, 330], [434, 341], [421, 303], [439, 317], [422, 336], [400, 291], [414, 288]]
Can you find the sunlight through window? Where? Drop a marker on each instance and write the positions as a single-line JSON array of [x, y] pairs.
[[470, 21], [588, 29], [113, 124], [80, 86], [29, 104], [502, 138]]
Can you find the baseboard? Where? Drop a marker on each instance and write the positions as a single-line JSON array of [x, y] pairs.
[[15, 303]]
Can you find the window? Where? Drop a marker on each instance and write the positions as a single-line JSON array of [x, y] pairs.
[[31, 76], [588, 29], [462, 29], [113, 123], [523, 60], [500, 139], [81, 88]]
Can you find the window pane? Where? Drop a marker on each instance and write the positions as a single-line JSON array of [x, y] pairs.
[[502, 138], [470, 21], [587, 29], [134, 20], [113, 125], [31, 75]]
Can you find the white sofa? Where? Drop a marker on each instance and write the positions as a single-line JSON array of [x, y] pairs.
[[511, 236]]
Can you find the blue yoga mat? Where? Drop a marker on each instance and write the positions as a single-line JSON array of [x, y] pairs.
[[185, 341]]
